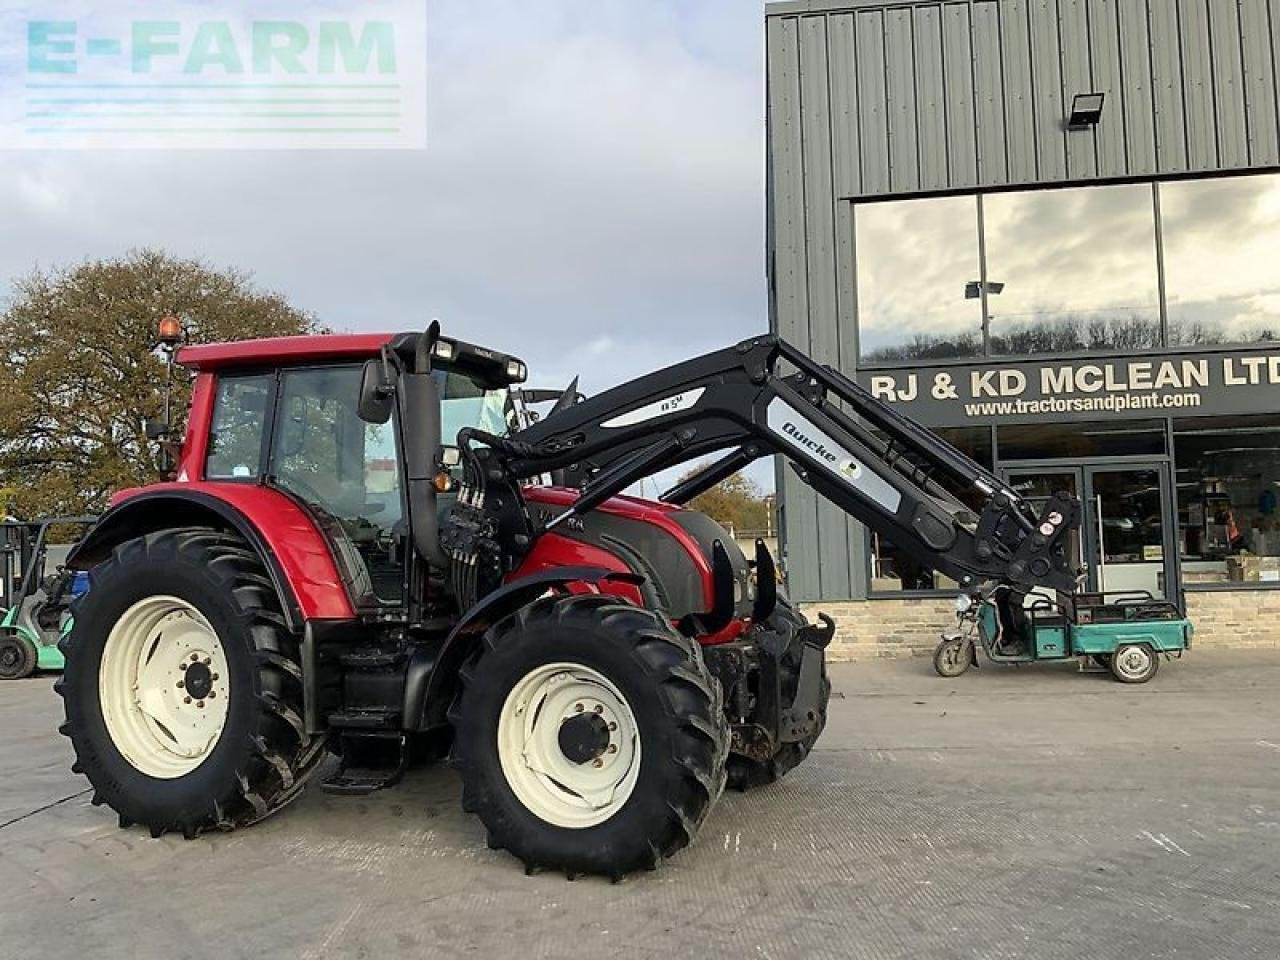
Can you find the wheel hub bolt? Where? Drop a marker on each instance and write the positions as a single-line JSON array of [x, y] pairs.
[[613, 725], [181, 684], [578, 708], [599, 709], [597, 762], [195, 657], [613, 748], [212, 694], [186, 699], [200, 704]]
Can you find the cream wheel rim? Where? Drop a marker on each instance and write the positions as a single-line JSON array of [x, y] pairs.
[[164, 687], [569, 745]]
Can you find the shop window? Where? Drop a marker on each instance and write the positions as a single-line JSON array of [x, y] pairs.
[[1072, 270], [892, 570], [1075, 441], [1220, 242], [916, 260], [1228, 480]]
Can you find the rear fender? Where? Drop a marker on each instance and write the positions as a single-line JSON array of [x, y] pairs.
[[294, 552], [427, 696]]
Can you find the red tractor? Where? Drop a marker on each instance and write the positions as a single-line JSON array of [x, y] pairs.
[[359, 556]]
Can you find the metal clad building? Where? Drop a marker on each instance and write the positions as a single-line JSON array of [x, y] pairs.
[[948, 112]]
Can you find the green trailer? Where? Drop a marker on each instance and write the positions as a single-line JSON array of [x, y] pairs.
[[34, 608], [1126, 633]]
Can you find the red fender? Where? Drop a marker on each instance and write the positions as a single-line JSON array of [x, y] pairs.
[[296, 554]]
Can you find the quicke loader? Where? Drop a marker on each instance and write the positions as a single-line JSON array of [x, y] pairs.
[[357, 556]]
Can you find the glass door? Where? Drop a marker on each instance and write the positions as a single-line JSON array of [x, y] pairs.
[[1128, 528], [1037, 485]]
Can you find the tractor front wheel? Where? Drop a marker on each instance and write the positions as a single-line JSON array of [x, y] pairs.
[[590, 736], [182, 686], [18, 657]]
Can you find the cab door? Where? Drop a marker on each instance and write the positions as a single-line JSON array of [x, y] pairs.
[[348, 472]]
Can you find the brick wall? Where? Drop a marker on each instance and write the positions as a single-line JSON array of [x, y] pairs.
[[1249, 619], [885, 628], [899, 628]]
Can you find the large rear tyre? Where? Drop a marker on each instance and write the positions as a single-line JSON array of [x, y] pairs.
[[18, 657], [746, 773], [590, 736], [182, 686]]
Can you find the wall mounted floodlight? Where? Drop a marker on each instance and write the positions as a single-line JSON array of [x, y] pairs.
[[1086, 111]]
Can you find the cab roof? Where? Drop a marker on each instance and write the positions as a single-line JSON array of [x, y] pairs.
[[280, 351]]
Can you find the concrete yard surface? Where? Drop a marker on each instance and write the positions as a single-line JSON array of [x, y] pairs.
[[1034, 812]]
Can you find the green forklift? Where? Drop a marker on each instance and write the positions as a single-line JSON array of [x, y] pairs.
[[35, 608], [1126, 633]]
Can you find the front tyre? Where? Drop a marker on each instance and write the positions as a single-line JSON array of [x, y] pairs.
[[590, 736], [18, 657], [953, 656], [182, 686]]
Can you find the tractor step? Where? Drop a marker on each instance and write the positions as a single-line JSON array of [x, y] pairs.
[[372, 720], [354, 779]]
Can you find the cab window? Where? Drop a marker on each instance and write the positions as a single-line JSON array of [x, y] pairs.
[[465, 403], [239, 422]]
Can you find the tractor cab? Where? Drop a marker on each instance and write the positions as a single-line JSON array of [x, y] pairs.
[[327, 431]]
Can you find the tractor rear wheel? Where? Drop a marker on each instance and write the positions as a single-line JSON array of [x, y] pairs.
[[182, 686], [590, 736], [746, 773], [18, 657]]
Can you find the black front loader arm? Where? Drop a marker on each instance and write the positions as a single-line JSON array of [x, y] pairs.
[[765, 397]]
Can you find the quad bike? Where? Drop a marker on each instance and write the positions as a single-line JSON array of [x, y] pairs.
[[1126, 633], [358, 554], [35, 614]]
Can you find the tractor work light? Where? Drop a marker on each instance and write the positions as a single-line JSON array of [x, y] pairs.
[[1086, 111], [516, 371], [443, 350]]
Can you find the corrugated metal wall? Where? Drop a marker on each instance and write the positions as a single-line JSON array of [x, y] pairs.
[[874, 99]]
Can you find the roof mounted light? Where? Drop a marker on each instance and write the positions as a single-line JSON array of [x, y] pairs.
[[516, 371], [169, 332], [443, 350]]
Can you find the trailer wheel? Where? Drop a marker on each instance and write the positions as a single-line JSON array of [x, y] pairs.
[[182, 688], [746, 773], [1134, 663], [953, 656], [18, 657], [590, 736]]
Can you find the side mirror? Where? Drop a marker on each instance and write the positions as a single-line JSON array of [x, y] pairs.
[[155, 429], [377, 392]]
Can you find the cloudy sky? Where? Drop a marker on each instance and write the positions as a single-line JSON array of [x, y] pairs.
[[591, 196]]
